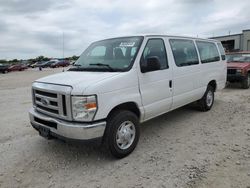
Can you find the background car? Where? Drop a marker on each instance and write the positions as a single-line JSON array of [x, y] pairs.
[[17, 67], [37, 64], [24, 66], [47, 63], [61, 63], [4, 68], [238, 68]]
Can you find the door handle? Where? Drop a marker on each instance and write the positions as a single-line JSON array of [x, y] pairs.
[[170, 83]]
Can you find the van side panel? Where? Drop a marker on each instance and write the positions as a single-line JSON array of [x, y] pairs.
[[186, 83], [213, 71], [156, 93], [187, 87], [190, 82]]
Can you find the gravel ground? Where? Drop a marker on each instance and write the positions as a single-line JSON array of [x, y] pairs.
[[183, 148]]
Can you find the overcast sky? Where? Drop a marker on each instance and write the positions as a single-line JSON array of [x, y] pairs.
[[29, 28]]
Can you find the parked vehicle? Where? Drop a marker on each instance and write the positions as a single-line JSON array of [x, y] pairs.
[[17, 67], [24, 66], [61, 63], [31, 65], [118, 83], [4, 68], [238, 68], [37, 64], [25, 63], [47, 63]]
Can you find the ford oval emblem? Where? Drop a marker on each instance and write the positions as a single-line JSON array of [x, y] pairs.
[[44, 101]]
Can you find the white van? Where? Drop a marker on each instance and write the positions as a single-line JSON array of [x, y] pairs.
[[118, 83]]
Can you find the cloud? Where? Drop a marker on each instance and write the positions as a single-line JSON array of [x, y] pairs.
[[28, 6], [30, 28]]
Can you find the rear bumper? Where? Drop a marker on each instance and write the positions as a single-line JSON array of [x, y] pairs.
[[235, 78], [67, 130]]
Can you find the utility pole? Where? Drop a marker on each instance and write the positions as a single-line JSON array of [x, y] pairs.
[[63, 45], [63, 48]]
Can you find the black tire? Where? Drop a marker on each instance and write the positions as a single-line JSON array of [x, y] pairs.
[[246, 82], [114, 123], [205, 103]]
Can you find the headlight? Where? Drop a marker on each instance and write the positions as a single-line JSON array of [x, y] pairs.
[[239, 71], [84, 108]]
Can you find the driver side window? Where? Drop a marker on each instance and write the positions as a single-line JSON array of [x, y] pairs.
[[155, 48]]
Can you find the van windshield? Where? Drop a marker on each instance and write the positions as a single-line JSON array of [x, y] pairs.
[[110, 55]]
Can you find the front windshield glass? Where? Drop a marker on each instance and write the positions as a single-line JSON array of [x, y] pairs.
[[240, 58], [116, 54]]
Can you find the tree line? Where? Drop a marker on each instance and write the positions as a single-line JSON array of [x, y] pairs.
[[37, 59]]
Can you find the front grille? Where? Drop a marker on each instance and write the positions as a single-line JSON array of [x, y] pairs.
[[51, 103], [53, 95], [231, 71], [52, 99], [47, 109]]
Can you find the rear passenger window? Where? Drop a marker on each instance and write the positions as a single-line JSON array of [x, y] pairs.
[[208, 51], [184, 52], [222, 51], [155, 47]]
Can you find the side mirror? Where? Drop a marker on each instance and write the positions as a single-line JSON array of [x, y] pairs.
[[152, 64]]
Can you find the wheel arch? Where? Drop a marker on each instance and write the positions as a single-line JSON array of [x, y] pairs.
[[213, 84], [130, 106]]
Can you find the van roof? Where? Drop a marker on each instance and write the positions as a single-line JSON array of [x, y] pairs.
[[180, 37], [161, 35]]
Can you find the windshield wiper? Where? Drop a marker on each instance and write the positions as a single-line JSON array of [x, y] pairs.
[[77, 68], [102, 64]]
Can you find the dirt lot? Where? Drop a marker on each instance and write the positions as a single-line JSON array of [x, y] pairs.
[[184, 148]]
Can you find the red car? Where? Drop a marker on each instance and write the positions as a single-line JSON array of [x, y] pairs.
[[238, 68], [17, 67]]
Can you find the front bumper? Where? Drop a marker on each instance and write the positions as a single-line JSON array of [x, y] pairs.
[[235, 77], [67, 130]]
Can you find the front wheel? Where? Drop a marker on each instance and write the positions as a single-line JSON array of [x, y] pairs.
[[246, 82], [207, 101], [122, 133]]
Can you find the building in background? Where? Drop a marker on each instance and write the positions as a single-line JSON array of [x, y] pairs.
[[236, 42]]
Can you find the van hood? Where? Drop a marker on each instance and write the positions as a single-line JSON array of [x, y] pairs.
[[79, 81], [237, 65]]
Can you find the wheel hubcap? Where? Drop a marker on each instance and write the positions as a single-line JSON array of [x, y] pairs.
[[125, 135], [209, 98]]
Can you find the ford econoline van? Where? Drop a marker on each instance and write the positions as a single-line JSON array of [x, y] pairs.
[[118, 83]]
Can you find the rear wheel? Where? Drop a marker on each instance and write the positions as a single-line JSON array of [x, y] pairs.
[[122, 133], [246, 82], [207, 101]]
